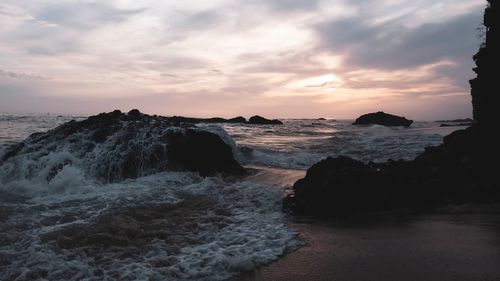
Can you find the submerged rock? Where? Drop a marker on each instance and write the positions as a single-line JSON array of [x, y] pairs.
[[259, 120], [382, 118], [113, 146]]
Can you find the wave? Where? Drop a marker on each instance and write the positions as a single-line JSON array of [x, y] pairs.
[[130, 196], [109, 148], [171, 225]]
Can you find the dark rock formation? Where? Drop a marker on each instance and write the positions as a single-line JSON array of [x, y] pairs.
[[113, 146], [457, 171], [200, 151], [461, 170], [465, 120], [259, 120], [486, 87], [455, 124], [381, 118], [253, 120], [181, 119]]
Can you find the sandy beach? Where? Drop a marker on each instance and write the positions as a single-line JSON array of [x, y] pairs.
[[399, 247]]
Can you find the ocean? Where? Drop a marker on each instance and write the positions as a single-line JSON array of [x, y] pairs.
[[172, 225]]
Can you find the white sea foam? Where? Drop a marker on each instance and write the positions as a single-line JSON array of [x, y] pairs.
[[239, 226]]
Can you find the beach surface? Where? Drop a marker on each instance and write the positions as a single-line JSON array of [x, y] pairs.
[[438, 247], [459, 243]]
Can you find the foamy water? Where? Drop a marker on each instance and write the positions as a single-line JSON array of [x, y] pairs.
[[72, 225], [300, 143]]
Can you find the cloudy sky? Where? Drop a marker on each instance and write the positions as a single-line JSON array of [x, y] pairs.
[[280, 58]]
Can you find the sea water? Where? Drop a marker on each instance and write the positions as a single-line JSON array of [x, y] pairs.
[[175, 225]]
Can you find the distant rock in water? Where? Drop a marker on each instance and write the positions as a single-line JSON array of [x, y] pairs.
[[253, 120], [181, 119], [259, 120], [384, 119], [455, 124], [113, 146], [465, 120]]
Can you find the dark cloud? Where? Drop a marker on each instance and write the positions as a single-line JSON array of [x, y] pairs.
[[22, 75], [392, 45]]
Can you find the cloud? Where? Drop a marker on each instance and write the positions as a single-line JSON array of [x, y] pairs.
[[83, 15], [224, 56], [22, 75], [392, 45]]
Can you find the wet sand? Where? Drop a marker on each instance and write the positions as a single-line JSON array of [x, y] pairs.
[[440, 247], [459, 244]]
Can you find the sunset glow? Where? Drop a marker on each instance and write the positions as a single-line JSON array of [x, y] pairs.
[[281, 58]]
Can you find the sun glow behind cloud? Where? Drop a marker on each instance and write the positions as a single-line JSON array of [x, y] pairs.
[[280, 58]]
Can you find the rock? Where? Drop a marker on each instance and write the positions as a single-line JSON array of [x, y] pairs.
[[485, 87], [110, 147], [455, 172], [200, 151], [133, 112], [381, 118], [259, 120], [181, 119], [455, 125], [238, 119], [465, 120]]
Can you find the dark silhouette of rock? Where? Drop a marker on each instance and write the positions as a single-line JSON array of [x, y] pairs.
[[200, 151], [259, 120], [455, 172], [238, 119], [455, 124], [485, 87], [114, 146], [381, 118], [461, 170], [253, 120], [181, 119], [465, 120], [133, 112]]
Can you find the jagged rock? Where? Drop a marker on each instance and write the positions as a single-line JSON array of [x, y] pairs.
[[485, 87], [456, 172], [113, 146], [381, 118], [259, 120]]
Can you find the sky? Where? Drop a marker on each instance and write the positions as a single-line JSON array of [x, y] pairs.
[[204, 58]]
